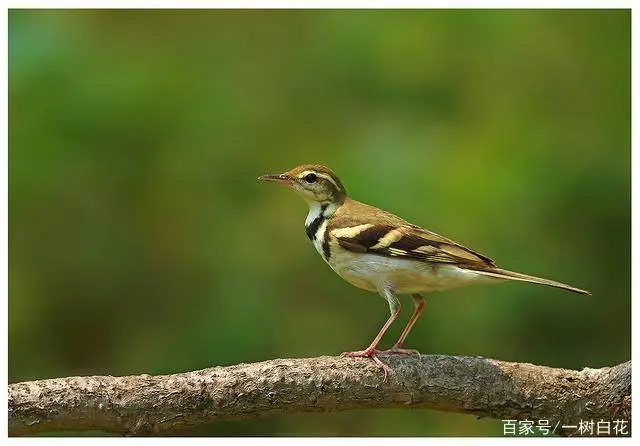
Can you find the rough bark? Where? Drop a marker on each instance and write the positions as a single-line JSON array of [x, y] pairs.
[[152, 405]]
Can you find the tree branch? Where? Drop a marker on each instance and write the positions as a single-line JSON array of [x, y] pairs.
[[147, 405]]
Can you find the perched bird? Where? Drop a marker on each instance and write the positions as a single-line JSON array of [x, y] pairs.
[[378, 251]]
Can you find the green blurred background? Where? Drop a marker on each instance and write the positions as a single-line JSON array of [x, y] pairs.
[[141, 241]]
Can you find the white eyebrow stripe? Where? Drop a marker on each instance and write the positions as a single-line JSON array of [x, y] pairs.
[[389, 238], [351, 231], [320, 175], [329, 178]]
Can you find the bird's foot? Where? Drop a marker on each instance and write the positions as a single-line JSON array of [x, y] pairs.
[[402, 351], [369, 353]]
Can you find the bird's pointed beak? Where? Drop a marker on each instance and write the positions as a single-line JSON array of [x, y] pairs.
[[282, 178]]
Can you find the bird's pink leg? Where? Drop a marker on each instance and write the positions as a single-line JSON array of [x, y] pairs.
[[418, 301], [370, 352]]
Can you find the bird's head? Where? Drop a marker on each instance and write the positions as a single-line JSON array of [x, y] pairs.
[[316, 183]]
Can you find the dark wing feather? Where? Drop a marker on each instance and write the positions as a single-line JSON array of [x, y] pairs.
[[394, 237], [412, 242]]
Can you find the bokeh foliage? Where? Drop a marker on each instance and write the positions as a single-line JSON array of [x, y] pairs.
[[141, 242]]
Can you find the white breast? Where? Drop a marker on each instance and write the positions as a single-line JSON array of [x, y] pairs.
[[317, 242]]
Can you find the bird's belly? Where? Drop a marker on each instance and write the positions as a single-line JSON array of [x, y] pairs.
[[371, 271]]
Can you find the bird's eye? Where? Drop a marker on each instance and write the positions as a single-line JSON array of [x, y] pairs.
[[310, 178]]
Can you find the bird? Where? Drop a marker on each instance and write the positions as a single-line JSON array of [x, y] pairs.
[[380, 252]]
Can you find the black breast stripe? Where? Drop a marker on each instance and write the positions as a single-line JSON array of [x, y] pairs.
[[325, 248], [312, 229]]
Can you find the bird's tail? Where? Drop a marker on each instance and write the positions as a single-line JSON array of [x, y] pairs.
[[504, 274]]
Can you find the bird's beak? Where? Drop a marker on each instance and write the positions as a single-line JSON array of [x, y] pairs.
[[282, 178]]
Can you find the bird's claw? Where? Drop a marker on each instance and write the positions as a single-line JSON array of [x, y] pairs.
[[369, 353]]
